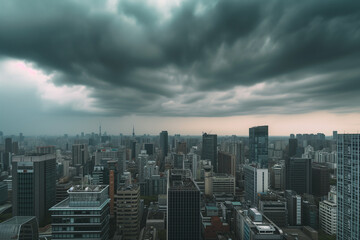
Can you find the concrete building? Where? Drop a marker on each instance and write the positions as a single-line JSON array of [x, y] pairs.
[[320, 180], [19, 228], [183, 207], [258, 144], [348, 186], [45, 150], [256, 181], [276, 211], [103, 155], [84, 214], [251, 225], [328, 213], [222, 183], [34, 186], [80, 154], [128, 211], [164, 148], [142, 160], [209, 149]]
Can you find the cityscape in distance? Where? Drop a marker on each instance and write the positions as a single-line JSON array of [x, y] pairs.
[[179, 120]]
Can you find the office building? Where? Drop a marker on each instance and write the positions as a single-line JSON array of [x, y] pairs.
[[153, 186], [178, 161], [149, 147], [3, 192], [141, 162], [222, 183], [164, 148], [34, 186], [277, 177], [294, 208], [256, 181], [258, 145], [19, 228], [80, 154], [183, 206], [209, 149], [327, 213], [128, 211], [150, 169], [251, 225], [62, 188], [84, 214], [8, 145], [320, 180], [293, 145], [299, 175], [103, 155], [226, 163], [310, 214], [348, 186]]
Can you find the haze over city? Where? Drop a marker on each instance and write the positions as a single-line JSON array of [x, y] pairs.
[[185, 66]]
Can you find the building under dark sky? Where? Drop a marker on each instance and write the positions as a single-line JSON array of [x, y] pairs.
[[258, 145], [299, 175], [209, 149]]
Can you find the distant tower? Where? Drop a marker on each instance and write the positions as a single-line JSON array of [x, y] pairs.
[[133, 134], [258, 145]]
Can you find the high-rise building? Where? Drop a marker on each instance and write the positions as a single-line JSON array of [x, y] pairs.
[[223, 183], [277, 177], [294, 208], [327, 213], [256, 181], [293, 145], [276, 211], [299, 175], [209, 149], [320, 180], [84, 214], [149, 147], [142, 160], [183, 212], [80, 154], [45, 149], [164, 148], [128, 211], [34, 186], [226, 163], [8, 145], [348, 186], [15, 148], [258, 144]]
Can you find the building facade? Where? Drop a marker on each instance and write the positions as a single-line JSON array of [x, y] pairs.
[[256, 181], [348, 187], [209, 149], [84, 214], [34, 186], [299, 175], [258, 145]]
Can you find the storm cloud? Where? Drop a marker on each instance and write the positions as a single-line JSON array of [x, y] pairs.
[[195, 58]]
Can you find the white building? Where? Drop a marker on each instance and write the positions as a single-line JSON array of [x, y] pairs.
[[328, 213], [256, 181]]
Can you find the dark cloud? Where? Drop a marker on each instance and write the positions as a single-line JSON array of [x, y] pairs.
[[204, 58]]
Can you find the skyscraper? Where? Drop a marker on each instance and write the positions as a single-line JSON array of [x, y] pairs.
[[256, 181], [299, 175], [209, 149], [164, 145], [183, 212], [348, 186], [8, 145], [293, 144], [80, 154], [34, 186], [258, 143]]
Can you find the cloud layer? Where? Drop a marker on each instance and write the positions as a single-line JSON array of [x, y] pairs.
[[193, 58]]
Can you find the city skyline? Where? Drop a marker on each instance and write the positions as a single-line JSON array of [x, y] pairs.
[[183, 66]]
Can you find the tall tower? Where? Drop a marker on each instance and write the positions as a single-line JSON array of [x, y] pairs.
[[348, 190], [34, 186], [209, 149], [258, 143], [164, 147], [299, 175], [183, 208]]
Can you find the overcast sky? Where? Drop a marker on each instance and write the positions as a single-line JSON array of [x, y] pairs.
[[184, 66]]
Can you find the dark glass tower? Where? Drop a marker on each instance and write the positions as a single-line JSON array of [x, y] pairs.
[[209, 149], [258, 143], [183, 212], [164, 145], [299, 175], [34, 186]]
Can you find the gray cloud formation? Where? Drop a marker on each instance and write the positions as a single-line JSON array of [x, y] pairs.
[[207, 58]]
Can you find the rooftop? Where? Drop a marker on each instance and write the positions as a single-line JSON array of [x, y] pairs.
[[87, 188]]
